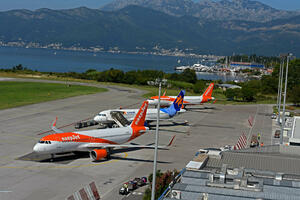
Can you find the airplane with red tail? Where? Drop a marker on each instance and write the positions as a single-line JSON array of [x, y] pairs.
[[188, 100], [98, 142]]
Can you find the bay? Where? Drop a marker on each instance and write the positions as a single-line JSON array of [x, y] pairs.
[[51, 60]]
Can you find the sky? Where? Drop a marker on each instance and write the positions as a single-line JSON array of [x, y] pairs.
[[64, 4]]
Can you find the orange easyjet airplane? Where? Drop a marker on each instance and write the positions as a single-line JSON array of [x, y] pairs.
[[98, 142], [188, 100]]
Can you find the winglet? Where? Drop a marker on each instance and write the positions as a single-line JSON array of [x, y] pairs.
[[54, 122], [164, 93], [53, 127], [171, 141]]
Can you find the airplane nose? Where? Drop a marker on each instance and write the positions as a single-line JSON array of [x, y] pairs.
[[151, 101], [96, 118], [36, 148]]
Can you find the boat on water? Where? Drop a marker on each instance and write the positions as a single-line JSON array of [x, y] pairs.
[[197, 67]]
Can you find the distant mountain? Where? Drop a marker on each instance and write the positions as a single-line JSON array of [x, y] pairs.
[[247, 10], [137, 28]]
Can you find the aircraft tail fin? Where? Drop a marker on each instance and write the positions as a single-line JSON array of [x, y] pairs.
[[139, 119], [209, 90], [176, 106]]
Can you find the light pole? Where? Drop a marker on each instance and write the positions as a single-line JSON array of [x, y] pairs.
[[284, 99], [280, 91], [156, 145], [279, 76]]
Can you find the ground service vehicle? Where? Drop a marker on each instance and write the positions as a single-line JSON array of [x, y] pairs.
[[277, 134], [254, 142], [132, 185]]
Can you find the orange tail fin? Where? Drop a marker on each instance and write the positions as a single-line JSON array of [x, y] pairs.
[[139, 119], [209, 90]]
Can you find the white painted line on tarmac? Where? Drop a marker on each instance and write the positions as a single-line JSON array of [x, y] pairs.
[[5, 79]]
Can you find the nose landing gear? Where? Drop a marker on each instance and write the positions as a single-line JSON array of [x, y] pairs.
[[52, 157]]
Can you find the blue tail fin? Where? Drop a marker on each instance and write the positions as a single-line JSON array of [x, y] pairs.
[[176, 106]]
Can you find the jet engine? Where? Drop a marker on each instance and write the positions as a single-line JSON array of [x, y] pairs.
[[98, 154]]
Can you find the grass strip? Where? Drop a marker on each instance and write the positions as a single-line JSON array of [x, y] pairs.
[[13, 94]]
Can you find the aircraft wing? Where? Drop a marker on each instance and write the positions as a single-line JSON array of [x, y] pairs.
[[103, 145]]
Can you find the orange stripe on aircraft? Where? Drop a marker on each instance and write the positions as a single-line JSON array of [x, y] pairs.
[[167, 98], [75, 137], [137, 131]]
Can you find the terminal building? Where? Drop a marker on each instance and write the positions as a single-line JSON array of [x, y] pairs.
[[269, 172], [295, 132]]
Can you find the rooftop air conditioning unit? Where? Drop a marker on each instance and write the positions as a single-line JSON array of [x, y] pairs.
[[175, 194]]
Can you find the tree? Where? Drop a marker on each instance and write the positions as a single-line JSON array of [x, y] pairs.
[[189, 75], [199, 86], [294, 74], [230, 94], [233, 94], [162, 182], [130, 77], [269, 84], [254, 85], [19, 67], [294, 95], [247, 93]]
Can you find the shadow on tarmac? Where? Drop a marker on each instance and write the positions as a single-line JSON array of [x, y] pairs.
[[173, 131], [138, 160], [59, 159], [201, 108], [170, 124], [67, 158]]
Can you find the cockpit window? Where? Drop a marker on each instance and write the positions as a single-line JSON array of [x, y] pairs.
[[103, 115], [44, 142]]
